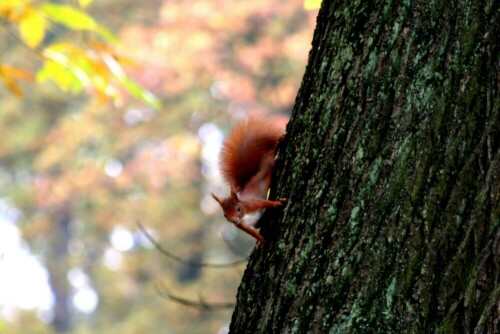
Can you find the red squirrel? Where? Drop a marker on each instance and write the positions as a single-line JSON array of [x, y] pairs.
[[247, 163]]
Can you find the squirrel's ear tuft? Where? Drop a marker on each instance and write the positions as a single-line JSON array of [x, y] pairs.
[[216, 198], [234, 196]]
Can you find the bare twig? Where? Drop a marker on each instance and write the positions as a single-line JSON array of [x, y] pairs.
[[7, 28], [231, 247], [199, 304], [174, 257]]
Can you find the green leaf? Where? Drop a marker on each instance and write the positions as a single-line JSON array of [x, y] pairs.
[[140, 93], [131, 86], [107, 34]]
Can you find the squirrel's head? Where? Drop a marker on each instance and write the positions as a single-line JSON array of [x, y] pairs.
[[232, 207]]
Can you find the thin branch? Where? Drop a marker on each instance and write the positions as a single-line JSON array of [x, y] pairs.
[[178, 259], [199, 304], [7, 27], [230, 245]]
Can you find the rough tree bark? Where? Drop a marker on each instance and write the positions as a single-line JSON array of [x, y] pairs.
[[391, 165]]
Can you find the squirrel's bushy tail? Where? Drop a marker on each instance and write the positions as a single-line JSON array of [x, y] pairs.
[[248, 144]]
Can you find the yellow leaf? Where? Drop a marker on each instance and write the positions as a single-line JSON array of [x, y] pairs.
[[64, 70], [70, 16], [84, 3], [13, 3], [64, 52], [11, 9], [312, 4], [75, 19], [32, 27]]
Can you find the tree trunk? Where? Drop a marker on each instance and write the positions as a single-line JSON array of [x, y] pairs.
[[58, 269], [391, 166]]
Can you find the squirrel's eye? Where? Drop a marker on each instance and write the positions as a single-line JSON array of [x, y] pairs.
[[238, 208]]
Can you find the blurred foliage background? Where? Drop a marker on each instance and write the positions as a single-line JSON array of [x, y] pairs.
[[113, 112]]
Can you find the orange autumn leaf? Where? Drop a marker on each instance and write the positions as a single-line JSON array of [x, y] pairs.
[[16, 73], [10, 74]]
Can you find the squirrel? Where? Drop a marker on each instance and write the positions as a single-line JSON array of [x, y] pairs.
[[247, 163]]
